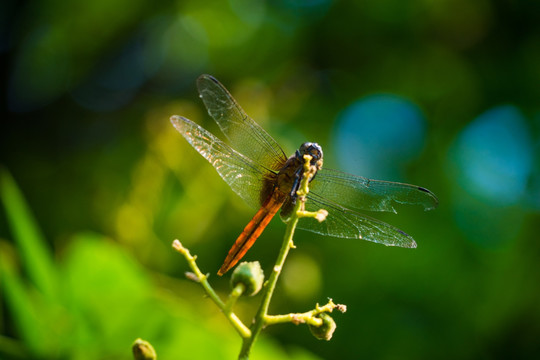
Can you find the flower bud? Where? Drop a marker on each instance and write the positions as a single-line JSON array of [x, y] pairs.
[[250, 275], [143, 350], [326, 329]]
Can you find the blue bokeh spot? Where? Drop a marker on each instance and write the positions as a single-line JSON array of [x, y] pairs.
[[382, 132], [494, 156]]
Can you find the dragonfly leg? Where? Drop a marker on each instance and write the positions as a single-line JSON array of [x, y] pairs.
[[296, 184]]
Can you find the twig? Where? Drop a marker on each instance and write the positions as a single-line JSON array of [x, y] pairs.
[[314, 318], [203, 280], [262, 313], [309, 317]]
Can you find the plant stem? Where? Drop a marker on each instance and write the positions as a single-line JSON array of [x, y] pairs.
[[203, 280], [233, 297], [262, 318], [262, 313], [269, 289], [309, 317]]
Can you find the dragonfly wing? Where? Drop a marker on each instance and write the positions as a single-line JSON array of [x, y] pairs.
[[244, 134], [359, 193], [345, 223], [243, 175]]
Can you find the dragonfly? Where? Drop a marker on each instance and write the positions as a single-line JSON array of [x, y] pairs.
[[257, 169]]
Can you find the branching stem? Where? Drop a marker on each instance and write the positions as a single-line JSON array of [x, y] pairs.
[[262, 313], [309, 317], [249, 335], [203, 280]]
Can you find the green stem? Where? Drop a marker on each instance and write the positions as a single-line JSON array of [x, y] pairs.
[[262, 313], [203, 280], [269, 289], [234, 295], [309, 317], [262, 318], [304, 318]]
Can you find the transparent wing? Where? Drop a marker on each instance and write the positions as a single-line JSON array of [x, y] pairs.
[[359, 193], [345, 223], [243, 175], [244, 134]]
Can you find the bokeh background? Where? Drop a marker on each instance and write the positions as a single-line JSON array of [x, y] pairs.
[[95, 183]]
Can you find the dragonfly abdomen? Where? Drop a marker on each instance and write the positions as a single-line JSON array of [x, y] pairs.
[[253, 230]]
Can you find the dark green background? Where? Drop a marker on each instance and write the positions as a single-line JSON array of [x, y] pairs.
[[88, 91]]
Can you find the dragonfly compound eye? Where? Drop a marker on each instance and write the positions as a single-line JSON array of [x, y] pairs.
[[312, 149], [315, 151]]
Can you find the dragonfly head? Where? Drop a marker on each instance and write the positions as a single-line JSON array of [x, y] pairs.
[[314, 150]]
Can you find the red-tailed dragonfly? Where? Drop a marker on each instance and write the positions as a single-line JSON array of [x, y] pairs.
[[257, 169]]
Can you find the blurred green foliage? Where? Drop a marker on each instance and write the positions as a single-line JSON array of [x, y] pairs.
[[90, 86], [95, 299]]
